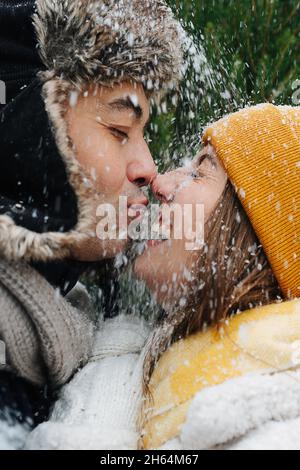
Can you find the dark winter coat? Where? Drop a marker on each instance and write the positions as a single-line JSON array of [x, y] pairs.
[[34, 188], [19, 58]]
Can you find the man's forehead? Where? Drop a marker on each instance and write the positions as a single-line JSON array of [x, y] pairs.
[[125, 100]]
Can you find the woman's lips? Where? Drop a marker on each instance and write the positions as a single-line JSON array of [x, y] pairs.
[[137, 211]]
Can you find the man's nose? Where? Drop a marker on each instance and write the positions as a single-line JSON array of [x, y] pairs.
[[163, 188], [142, 171]]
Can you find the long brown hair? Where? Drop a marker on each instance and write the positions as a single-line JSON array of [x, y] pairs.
[[233, 275]]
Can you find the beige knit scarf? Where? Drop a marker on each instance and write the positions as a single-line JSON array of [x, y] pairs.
[[46, 338]]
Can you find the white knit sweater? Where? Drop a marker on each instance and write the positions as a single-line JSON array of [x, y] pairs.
[[99, 408]]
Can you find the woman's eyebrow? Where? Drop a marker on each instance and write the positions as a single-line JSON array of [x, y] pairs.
[[205, 156], [125, 104], [201, 159]]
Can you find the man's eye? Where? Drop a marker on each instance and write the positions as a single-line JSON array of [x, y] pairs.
[[119, 134]]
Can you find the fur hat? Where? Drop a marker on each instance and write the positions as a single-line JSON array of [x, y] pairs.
[[109, 41]]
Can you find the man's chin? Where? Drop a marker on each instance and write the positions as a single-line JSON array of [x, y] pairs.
[[93, 249]]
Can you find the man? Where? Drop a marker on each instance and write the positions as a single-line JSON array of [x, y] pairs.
[[71, 138]]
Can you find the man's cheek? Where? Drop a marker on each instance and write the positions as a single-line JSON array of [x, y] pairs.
[[110, 178]]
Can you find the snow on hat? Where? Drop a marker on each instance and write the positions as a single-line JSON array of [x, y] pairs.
[[260, 150], [109, 41]]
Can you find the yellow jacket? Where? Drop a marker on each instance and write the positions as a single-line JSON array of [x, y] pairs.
[[262, 340]]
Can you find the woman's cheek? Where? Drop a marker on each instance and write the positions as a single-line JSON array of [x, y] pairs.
[[207, 196]]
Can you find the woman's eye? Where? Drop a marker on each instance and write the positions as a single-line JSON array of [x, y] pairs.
[[197, 174], [119, 134]]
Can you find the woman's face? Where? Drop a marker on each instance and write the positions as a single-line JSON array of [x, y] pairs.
[[166, 266]]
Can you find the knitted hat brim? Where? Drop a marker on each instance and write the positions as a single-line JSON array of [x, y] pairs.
[[260, 150]]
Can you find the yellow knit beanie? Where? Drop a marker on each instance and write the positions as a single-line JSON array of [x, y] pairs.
[[260, 150]]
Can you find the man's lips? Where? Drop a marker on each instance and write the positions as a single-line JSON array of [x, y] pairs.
[[155, 243], [139, 201], [139, 213]]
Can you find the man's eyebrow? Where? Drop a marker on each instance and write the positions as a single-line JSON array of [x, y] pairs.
[[127, 104]]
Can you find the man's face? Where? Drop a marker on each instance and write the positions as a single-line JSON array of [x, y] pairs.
[[107, 126]]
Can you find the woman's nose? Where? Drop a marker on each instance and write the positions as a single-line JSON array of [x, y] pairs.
[[163, 187]]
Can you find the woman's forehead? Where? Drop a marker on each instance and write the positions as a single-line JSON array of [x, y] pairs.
[[207, 149]]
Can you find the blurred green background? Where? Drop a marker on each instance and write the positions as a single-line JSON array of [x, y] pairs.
[[246, 52]]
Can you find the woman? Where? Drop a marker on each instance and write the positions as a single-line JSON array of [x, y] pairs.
[[209, 381], [198, 388]]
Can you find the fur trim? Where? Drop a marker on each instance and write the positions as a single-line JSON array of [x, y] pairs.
[[227, 412], [20, 243], [109, 41]]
